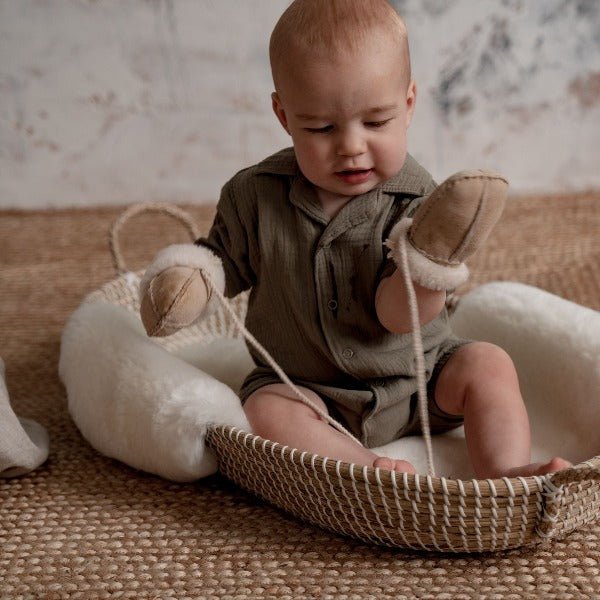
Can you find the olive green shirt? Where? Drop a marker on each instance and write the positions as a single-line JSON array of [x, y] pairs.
[[313, 281]]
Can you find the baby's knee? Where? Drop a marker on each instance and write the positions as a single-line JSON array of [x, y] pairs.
[[268, 410], [484, 363], [262, 411], [476, 362], [492, 358], [473, 373]]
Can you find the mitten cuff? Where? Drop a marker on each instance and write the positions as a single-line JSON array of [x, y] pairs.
[[188, 255], [424, 270]]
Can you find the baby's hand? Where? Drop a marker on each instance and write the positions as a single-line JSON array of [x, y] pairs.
[[448, 227], [457, 217], [175, 298]]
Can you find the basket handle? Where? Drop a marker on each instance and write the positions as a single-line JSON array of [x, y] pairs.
[[135, 209], [556, 513]]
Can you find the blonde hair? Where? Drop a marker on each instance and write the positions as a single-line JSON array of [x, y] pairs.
[[335, 26]]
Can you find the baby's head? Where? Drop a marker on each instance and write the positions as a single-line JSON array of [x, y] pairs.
[[343, 91]]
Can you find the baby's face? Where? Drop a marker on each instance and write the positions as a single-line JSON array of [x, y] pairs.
[[348, 116]]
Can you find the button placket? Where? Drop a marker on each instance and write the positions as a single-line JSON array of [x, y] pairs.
[[329, 303], [324, 292]]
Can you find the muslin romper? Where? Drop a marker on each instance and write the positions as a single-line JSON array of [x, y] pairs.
[[312, 301]]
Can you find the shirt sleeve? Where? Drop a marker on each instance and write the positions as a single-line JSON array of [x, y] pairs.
[[232, 237]]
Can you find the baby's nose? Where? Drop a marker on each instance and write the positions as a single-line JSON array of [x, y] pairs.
[[351, 143]]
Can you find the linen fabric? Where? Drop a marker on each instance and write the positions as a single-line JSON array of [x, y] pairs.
[[313, 281]]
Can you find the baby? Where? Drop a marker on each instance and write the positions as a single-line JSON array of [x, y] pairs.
[[309, 231]]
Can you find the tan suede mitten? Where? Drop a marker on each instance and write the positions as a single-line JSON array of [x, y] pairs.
[[449, 226], [175, 298], [173, 291]]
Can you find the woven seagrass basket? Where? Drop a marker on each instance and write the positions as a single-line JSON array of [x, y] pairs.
[[374, 505]]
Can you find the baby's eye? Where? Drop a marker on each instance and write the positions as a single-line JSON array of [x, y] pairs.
[[325, 129], [377, 124]]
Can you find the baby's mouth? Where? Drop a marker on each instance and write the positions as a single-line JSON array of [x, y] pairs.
[[354, 176]]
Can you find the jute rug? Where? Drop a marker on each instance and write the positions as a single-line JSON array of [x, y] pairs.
[[83, 526]]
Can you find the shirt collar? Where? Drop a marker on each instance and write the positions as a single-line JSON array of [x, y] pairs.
[[282, 163]]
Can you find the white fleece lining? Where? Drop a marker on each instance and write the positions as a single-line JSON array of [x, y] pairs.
[[135, 401], [424, 271], [187, 255]]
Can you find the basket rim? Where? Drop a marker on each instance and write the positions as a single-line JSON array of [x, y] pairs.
[[376, 475]]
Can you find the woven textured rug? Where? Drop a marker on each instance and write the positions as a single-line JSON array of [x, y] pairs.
[[83, 526]]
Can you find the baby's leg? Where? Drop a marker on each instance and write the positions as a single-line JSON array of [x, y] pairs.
[[276, 414], [479, 381]]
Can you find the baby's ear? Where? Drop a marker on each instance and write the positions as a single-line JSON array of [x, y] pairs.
[[279, 111], [411, 99]]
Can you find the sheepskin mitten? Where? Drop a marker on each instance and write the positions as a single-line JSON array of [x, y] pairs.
[[173, 291], [448, 227]]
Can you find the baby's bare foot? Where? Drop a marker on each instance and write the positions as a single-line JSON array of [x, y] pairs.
[[556, 464], [400, 466]]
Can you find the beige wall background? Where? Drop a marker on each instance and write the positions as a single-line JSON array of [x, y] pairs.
[[117, 101]]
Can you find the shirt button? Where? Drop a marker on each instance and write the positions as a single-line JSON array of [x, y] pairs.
[[332, 305], [348, 353]]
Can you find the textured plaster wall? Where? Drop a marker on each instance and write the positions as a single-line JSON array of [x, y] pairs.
[[116, 101]]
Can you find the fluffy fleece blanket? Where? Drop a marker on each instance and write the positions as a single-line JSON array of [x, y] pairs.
[[136, 402]]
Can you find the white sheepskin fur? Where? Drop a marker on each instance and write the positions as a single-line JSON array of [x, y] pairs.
[[134, 401], [555, 345], [428, 273], [187, 255]]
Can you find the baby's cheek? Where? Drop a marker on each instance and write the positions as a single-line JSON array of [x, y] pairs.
[[393, 159], [309, 158]]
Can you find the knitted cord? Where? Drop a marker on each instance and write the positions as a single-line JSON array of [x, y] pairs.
[[418, 350]]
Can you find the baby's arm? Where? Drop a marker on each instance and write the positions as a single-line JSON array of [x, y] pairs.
[[391, 303], [174, 292], [449, 226]]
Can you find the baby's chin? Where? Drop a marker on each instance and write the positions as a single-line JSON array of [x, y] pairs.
[[339, 187], [335, 194], [359, 190]]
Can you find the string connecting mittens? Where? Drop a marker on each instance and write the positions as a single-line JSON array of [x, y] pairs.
[[449, 226], [185, 283]]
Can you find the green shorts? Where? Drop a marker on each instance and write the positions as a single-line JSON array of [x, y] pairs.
[[358, 406]]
